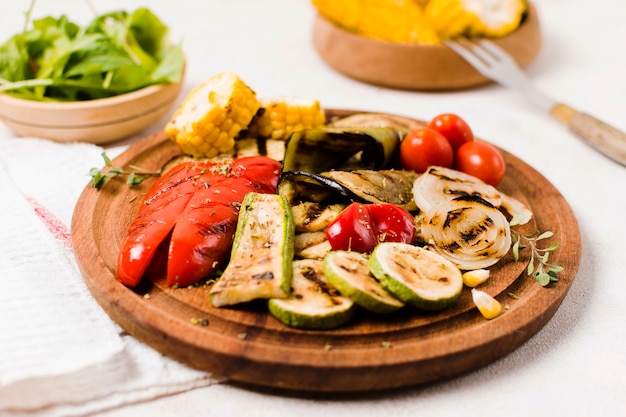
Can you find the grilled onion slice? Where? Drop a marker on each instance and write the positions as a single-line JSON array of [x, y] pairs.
[[438, 184], [468, 231]]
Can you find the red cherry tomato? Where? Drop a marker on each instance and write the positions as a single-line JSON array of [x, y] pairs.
[[424, 147], [454, 128], [360, 227], [481, 160]]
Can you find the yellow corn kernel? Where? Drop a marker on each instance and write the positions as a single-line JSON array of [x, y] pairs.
[[475, 278], [212, 115], [388, 20], [278, 118], [421, 3], [488, 306]]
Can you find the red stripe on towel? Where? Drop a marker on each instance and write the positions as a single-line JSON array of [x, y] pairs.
[[56, 226]]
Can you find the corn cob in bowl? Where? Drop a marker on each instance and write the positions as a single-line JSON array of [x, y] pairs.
[[413, 57]]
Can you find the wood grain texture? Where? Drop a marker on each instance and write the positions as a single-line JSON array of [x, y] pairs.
[[415, 67], [373, 352]]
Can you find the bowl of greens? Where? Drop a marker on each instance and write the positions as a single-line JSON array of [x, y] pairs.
[[98, 83]]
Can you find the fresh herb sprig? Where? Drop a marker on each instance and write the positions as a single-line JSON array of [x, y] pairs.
[[99, 177], [538, 265]]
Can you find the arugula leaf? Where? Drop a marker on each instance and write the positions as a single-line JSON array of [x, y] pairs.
[[151, 34], [115, 53]]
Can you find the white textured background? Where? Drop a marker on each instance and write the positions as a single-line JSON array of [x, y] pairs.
[[575, 366]]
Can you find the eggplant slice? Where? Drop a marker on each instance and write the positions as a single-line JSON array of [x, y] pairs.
[[319, 150], [362, 186]]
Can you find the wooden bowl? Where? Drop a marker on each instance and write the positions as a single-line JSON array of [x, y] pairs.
[[415, 67], [94, 121]]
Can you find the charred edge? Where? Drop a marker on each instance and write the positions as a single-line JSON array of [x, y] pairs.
[[314, 276], [472, 198], [452, 216]]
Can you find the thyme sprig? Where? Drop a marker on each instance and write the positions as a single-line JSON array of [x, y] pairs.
[[99, 176], [538, 265]]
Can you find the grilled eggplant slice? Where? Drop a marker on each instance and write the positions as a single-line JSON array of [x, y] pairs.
[[385, 186], [361, 186], [319, 150], [365, 119]]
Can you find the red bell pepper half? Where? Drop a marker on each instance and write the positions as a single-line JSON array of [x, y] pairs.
[[360, 227], [197, 203]]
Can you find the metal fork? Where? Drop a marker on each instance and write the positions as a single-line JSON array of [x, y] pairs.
[[496, 64]]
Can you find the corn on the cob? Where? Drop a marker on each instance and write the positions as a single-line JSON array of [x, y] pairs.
[[495, 18], [388, 20], [488, 306], [449, 18], [475, 278], [278, 118], [212, 115]]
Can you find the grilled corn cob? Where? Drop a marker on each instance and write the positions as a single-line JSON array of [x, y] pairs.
[[212, 115], [278, 118], [388, 20], [449, 18], [495, 18]]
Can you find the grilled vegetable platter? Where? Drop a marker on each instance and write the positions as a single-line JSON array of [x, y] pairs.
[[281, 244]]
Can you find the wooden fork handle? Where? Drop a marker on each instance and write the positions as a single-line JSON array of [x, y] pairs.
[[601, 136]]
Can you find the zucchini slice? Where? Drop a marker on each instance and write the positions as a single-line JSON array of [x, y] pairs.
[[416, 276], [313, 302], [261, 259], [349, 273]]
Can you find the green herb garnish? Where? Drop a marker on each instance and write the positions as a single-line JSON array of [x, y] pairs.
[[538, 265], [116, 53], [100, 176]]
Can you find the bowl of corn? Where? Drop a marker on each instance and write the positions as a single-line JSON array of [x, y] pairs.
[[399, 44]]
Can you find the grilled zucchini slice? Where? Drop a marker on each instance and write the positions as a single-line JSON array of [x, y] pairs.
[[416, 276], [313, 302], [262, 254], [349, 273]]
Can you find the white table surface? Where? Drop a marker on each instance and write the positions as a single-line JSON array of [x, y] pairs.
[[574, 366]]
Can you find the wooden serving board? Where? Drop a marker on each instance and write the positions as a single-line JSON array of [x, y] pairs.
[[372, 352]]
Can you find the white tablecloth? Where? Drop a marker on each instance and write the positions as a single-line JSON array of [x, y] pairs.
[[574, 366]]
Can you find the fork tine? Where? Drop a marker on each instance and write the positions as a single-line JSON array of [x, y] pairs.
[[468, 55], [495, 63], [487, 58], [495, 51], [478, 50]]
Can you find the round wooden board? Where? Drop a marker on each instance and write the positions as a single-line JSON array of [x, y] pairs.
[[372, 352]]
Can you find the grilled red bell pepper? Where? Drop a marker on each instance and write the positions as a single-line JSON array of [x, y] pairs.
[[360, 227], [198, 204]]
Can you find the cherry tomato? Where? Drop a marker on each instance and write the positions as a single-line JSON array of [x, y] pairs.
[[454, 128], [424, 147], [481, 160], [360, 227]]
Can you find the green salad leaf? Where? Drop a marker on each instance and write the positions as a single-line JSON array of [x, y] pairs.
[[116, 53]]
